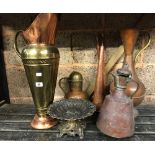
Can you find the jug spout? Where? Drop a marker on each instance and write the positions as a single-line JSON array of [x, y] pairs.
[[99, 85], [98, 95]]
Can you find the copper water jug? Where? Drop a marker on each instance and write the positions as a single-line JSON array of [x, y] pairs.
[[74, 86], [129, 38], [116, 117]]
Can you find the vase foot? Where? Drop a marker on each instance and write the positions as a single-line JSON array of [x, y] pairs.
[[43, 122]]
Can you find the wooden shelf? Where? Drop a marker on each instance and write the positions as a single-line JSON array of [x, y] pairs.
[[15, 125]]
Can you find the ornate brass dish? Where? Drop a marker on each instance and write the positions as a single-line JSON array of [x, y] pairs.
[[71, 111]]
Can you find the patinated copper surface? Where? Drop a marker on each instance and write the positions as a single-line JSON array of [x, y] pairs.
[[116, 118], [129, 38]]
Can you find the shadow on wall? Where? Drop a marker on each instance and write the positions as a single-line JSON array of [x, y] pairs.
[[4, 93]]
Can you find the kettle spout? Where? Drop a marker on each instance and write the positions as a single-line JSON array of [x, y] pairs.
[[98, 96]]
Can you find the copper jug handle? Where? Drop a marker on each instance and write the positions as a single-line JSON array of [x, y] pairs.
[[60, 84], [16, 43]]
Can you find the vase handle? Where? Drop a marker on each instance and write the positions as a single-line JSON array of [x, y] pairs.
[[60, 84], [16, 43]]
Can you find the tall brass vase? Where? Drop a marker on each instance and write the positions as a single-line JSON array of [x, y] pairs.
[[129, 38], [41, 63]]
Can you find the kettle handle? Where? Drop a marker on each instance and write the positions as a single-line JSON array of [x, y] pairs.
[[16, 44], [60, 84]]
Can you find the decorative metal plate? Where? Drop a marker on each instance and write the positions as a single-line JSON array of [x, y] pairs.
[[71, 109]]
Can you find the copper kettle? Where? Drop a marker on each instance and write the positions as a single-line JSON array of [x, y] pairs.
[[72, 86], [116, 117]]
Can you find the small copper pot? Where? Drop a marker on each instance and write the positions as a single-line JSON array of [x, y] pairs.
[[75, 86]]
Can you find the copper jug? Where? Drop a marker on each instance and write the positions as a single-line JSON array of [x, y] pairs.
[[116, 117], [129, 37], [75, 86]]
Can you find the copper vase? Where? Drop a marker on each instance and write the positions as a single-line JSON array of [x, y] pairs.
[[41, 63]]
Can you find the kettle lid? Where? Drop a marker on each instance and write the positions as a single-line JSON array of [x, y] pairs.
[[124, 71], [75, 76]]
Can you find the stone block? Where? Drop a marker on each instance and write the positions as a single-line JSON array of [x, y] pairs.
[[149, 100], [11, 58], [85, 56], [21, 100], [65, 56], [146, 75], [17, 83], [149, 56], [8, 43], [89, 74]]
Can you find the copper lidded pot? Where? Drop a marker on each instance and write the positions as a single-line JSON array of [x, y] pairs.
[[75, 86], [116, 117]]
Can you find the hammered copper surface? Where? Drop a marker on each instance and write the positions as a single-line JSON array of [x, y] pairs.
[[75, 86], [129, 38], [43, 29], [44, 122]]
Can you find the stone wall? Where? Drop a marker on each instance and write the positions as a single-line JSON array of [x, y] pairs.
[[80, 55]]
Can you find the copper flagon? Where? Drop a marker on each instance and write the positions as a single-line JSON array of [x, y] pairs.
[[72, 86], [116, 117]]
